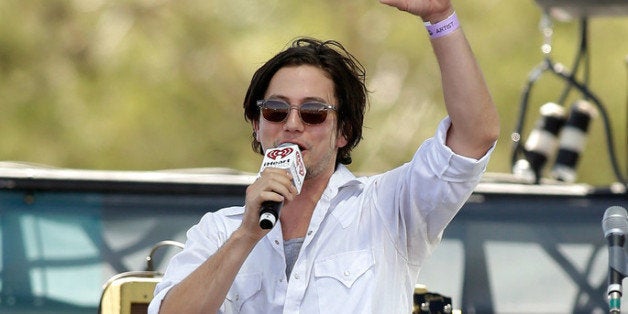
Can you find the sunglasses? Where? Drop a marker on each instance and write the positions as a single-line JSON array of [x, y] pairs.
[[310, 112]]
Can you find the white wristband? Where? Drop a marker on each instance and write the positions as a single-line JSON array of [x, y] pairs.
[[444, 27]]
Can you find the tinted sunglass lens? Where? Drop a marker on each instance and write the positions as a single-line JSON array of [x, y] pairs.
[[274, 115], [275, 111], [313, 113], [313, 117]]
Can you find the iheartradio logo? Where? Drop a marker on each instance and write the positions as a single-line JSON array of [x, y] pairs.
[[286, 156], [279, 153]]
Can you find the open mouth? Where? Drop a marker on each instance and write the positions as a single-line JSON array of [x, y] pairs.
[[301, 147]]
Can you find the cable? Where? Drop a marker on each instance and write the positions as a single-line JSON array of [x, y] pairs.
[[516, 137], [583, 52]]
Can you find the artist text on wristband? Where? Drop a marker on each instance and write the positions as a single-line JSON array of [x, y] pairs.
[[444, 27]]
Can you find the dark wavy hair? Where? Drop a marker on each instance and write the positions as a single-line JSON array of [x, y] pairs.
[[348, 77]]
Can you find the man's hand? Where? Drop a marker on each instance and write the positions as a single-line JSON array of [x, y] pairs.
[[429, 10], [273, 184]]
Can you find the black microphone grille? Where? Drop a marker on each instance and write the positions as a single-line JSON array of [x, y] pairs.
[[615, 220]]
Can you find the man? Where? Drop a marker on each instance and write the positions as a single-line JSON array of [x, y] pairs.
[[344, 244]]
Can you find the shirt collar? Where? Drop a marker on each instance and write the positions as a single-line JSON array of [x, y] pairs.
[[341, 184], [340, 179]]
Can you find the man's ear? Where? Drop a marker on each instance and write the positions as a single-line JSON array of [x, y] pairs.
[[341, 141]]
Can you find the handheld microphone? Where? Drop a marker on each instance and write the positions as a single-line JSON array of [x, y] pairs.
[[572, 140], [615, 226], [286, 156]]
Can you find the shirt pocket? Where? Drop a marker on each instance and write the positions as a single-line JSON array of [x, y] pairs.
[[345, 281], [244, 287]]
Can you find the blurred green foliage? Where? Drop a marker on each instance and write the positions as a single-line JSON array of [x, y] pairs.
[[143, 85]]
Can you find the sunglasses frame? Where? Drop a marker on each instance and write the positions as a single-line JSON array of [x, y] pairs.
[[261, 104]]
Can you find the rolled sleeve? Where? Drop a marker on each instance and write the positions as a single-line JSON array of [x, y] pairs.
[[449, 166], [203, 240]]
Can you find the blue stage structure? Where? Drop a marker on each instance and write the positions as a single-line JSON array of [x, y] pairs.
[[513, 248]]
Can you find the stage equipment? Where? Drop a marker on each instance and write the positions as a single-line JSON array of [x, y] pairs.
[[131, 292], [615, 226], [426, 302], [572, 140], [542, 143], [584, 9]]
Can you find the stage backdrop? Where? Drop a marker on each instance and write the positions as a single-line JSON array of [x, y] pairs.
[[513, 248]]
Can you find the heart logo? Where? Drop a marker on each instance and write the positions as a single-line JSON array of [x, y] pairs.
[[279, 153]]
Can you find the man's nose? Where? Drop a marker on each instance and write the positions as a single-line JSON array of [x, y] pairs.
[[293, 121]]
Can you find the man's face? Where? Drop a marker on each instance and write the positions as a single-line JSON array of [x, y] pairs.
[[319, 143]]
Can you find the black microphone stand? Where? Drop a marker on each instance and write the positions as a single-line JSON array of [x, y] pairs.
[[617, 273]]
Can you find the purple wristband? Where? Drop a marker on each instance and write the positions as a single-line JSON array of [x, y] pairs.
[[444, 27]]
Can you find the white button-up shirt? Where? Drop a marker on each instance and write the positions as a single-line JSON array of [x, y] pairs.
[[366, 242]]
